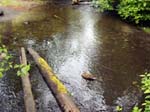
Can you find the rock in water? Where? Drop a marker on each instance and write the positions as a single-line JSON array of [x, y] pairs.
[[1, 13], [88, 76]]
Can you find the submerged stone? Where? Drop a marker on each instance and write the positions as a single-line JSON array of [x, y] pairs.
[[88, 76]]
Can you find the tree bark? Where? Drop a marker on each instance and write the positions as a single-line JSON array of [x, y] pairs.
[[59, 91], [28, 96]]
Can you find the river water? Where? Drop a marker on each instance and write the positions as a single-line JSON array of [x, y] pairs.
[[74, 40]]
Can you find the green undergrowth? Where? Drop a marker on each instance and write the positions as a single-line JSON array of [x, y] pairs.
[[145, 87], [7, 64], [10, 2], [136, 11]]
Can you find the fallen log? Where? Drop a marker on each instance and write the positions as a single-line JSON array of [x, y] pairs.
[[28, 96], [59, 91]]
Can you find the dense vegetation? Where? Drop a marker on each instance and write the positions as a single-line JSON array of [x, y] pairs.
[[6, 63], [145, 81], [134, 10], [4, 60]]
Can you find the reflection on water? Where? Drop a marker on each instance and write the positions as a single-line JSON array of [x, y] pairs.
[[74, 40]]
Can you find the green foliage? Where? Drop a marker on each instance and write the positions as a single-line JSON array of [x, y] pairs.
[[118, 109], [22, 69], [133, 10], [146, 89], [105, 4], [5, 63], [136, 109], [146, 83], [136, 10]]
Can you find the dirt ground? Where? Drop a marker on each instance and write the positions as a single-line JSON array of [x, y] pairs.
[[11, 11]]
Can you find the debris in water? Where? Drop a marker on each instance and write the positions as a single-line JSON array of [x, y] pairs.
[[88, 76]]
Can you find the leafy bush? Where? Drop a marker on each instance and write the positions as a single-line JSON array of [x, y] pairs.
[[22, 69], [105, 4], [6, 64], [133, 10], [136, 109], [146, 89]]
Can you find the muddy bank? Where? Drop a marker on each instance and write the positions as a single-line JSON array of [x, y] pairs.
[[10, 11]]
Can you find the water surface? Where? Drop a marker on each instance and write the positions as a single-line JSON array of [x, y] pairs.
[[74, 40]]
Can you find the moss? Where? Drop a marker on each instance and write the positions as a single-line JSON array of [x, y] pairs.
[[60, 87], [19, 3], [44, 65], [146, 29]]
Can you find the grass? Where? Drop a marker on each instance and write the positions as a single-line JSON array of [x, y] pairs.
[[18, 3], [10, 3]]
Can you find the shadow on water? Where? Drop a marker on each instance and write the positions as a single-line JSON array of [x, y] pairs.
[[76, 39]]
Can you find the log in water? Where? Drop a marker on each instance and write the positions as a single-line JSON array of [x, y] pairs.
[[28, 96], [58, 89]]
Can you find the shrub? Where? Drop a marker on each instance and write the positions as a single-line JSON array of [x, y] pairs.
[[133, 10], [145, 81], [105, 5]]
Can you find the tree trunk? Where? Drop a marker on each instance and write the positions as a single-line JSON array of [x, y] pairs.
[[28, 97], [58, 89]]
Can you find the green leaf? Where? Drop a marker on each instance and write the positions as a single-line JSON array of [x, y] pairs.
[[136, 109], [147, 97], [16, 66], [18, 73], [1, 69], [1, 74], [118, 108], [147, 91]]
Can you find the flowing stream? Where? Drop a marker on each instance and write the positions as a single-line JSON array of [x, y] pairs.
[[74, 40]]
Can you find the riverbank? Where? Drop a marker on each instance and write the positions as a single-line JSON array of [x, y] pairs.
[[11, 9], [146, 29], [21, 5]]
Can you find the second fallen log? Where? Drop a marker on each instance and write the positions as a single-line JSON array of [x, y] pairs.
[[28, 96], [58, 89]]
